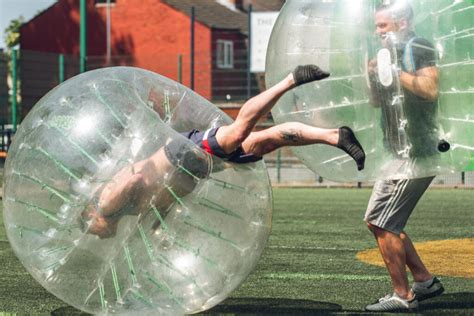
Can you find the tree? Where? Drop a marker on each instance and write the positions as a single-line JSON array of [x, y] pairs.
[[12, 32], [12, 39]]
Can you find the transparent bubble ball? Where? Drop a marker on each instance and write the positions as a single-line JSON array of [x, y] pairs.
[[340, 37], [184, 257]]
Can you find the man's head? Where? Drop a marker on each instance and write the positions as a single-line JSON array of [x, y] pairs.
[[396, 17]]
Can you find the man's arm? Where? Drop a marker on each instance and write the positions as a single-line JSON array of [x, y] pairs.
[[122, 189], [136, 181], [424, 83]]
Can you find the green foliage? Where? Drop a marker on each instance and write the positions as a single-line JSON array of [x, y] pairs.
[[12, 32]]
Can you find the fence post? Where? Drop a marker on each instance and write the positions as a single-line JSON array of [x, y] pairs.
[[61, 67], [83, 36], [108, 27], [180, 68], [192, 47], [278, 165], [463, 178], [14, 89], [249, 52]]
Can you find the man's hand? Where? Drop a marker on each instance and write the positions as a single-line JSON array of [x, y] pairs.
[[372, 73], [372, 67]]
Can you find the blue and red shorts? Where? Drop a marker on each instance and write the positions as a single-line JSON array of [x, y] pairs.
[[207, 141], [183, 153]]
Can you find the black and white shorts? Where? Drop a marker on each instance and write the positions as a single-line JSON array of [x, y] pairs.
[[393, 201]]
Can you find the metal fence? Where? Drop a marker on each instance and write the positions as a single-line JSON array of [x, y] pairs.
[[39, 72], [289, 171]]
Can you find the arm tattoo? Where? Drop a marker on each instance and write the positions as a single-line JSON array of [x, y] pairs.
[[292, 135]]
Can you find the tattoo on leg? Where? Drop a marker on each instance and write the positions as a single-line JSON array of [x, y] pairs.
[[292, 135]]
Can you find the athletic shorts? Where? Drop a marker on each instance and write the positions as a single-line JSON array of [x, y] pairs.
[[393, 201], [207, 141], [183, 153]]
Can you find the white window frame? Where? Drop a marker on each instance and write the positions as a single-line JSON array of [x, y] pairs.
[[104, 4], [225, 54]]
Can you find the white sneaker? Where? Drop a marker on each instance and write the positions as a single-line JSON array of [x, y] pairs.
[[435, 288], [392, 303]]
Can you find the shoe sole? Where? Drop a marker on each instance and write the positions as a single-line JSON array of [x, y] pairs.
[[400, 310], [430, 295]]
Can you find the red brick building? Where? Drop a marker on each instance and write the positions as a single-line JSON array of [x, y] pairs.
[[151, 34]]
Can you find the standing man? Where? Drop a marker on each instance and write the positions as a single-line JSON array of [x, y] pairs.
[[393, 200]]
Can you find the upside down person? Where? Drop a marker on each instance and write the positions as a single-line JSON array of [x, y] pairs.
[[174, 169]]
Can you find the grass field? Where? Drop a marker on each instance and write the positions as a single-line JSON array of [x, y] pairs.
[[310, 264]]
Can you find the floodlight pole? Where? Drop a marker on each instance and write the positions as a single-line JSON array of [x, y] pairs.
[[83, 36], [61, 67], [278, 165], [180, 68], [108, 34], [193, 17], [249, 52], [14, 89]]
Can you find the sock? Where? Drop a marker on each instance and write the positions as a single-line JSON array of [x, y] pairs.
[[349, 143], [308, 73], [424, 284]]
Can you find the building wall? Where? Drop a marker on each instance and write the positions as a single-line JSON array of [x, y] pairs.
[[146, 34], [230, 84]]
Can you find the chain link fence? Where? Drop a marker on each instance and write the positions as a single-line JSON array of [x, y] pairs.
[[291, 172], [228, 87]]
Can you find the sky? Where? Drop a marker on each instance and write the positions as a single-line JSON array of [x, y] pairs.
[[12, 9]]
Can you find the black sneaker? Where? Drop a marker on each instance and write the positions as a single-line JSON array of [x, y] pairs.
[[425, 292]]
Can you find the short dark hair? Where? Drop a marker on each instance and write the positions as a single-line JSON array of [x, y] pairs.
[[400, 10]]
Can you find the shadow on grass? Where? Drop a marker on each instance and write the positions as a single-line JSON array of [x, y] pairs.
[[447, 304], [68, 310], [272, 306], [453, 304], [452, 301], [248, 306]]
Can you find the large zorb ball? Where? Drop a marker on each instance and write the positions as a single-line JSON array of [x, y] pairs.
[[182, 259], [340, 37]]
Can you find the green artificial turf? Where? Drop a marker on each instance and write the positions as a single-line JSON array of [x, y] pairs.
[[309, 265]]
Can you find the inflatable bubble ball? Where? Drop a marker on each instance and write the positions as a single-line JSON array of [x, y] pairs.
[[114, 211], [401, 78]]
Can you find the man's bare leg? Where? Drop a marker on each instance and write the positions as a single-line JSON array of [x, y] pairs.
[[288, 134], [418, 269], [230, 137], [299, 134], [393, 253]]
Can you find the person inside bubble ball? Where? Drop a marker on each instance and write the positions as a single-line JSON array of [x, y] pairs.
[[174, 169], [393, 200]]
